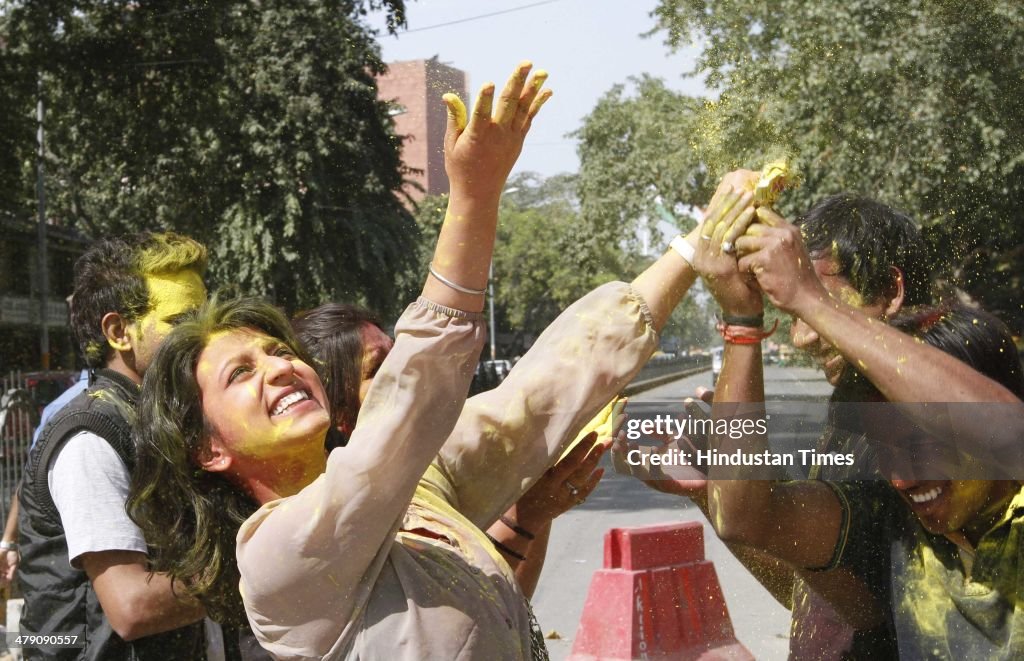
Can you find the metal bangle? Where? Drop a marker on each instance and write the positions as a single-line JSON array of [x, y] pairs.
[[445, 281]]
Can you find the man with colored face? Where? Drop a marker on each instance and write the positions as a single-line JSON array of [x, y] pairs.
[[84, 568], [865, 254], [933, 482], [841, 271], [937, 555], [871, 258]]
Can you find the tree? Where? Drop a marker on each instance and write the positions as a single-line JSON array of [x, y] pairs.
[[635, 149], [689, 324], [254, 127], [17, 136], [916, 103], [545, 255]]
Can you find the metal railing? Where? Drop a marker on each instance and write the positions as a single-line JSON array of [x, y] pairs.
[[19, 417], [663, 365]]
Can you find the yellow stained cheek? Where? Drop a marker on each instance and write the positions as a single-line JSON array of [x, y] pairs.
[[151, 325]]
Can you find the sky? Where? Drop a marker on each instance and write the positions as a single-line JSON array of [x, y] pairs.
[[586, 46]]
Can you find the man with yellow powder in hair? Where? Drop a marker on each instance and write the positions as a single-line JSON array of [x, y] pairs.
[[837, 231], [948, 582], [84, 564]]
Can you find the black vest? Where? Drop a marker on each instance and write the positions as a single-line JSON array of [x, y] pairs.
[[58, 597]]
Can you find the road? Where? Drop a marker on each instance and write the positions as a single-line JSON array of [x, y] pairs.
[[577, 540]]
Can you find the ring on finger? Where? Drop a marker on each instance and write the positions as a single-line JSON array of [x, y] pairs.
[[705, 237], [728, 248], [573, 489]]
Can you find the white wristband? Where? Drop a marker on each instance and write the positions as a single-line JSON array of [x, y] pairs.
[[683, 247]]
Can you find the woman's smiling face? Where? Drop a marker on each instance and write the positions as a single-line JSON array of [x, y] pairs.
[[259, 400]]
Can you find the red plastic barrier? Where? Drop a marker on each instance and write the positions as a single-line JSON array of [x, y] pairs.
[[656, 598]]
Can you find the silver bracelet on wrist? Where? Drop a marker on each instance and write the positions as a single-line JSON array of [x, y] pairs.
[[457, 287], [8, 546]]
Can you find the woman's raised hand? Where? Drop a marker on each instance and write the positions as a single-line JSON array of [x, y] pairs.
[[480, 151], [481, 148]]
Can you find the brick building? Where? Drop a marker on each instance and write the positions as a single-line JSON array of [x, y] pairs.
[[414, 88]]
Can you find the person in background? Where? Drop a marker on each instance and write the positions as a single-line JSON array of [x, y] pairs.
[[9, 555], [84, 567]]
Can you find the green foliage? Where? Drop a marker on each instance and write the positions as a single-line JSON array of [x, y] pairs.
[[17, 137], [690, 323], [633, 149], [428, 216], [546, 256], [253, 127], [919, 104], [543, 258]]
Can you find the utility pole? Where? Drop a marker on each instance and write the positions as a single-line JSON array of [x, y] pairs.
[[490, 288], [490, 291], [44, 275]]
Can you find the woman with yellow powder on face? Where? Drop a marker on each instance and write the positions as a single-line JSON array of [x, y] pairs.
[[378, 552], [348, 346]]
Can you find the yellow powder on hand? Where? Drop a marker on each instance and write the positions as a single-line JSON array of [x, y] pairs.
[[775, 177]]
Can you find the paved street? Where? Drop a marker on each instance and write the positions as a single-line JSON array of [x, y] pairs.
[[577, 540]]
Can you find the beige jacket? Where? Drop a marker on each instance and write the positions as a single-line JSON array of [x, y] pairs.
[[382, 557]]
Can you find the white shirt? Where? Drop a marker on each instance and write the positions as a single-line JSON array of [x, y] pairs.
[[89, 485]]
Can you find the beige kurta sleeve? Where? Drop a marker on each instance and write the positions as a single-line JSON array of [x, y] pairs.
[[307, 561], [507, 437]]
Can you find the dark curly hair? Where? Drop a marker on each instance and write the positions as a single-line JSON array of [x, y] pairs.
[[190, 516], [332, 335], [867, 238], [110, 277]]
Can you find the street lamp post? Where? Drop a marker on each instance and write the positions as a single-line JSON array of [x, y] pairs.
[[490, 289], [490, 293], [44, 276]]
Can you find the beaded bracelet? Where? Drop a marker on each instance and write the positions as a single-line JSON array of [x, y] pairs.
[[745, 334]]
